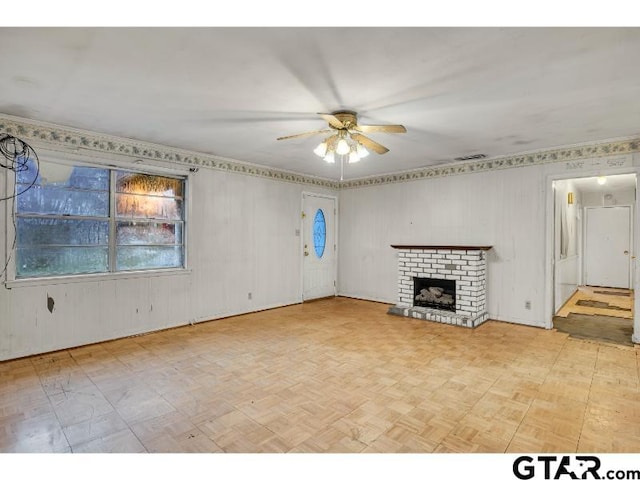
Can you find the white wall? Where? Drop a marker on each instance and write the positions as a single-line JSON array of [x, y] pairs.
[[618, 197], [568, 223], [242, 239], [505, 209]]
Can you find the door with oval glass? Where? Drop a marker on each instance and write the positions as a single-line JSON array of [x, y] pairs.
[[319, 246]]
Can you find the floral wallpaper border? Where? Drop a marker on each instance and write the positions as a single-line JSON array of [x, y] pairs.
[[569, 154], [79, 139], [76, 139]]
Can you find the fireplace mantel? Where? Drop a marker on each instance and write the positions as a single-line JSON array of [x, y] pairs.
[[442, 247]]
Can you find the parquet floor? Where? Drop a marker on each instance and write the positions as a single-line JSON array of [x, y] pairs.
[[336, 375], [619, 298]]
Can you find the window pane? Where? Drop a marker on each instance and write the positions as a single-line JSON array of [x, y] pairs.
[[28, 175], [145, 233], [62, 201], [140, 258], [138, 183], [65, 176], [61, 231], [144, 206], [319, 233], [88, 178], [47, 261]]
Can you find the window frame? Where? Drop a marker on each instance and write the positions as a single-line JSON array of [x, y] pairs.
[[11, 280]]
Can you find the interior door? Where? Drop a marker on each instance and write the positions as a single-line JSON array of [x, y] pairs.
[[607, 246], [319, 246]]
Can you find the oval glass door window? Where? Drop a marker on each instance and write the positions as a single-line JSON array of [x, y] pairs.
[[319, 233]]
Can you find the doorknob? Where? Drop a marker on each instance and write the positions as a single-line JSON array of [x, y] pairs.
[[626, 252], [306, 254]]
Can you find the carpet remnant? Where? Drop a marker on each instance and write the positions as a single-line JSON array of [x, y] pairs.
[[596, 304], [596, 327]]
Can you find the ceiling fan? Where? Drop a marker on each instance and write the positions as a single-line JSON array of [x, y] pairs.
[[347, 137]]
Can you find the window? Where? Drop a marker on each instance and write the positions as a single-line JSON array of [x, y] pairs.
[[319, 233], [79, 220]]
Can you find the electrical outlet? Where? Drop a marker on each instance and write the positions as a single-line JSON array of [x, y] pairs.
[[527, 304], [249, 295]]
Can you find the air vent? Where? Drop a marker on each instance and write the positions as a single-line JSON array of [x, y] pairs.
[[477, 156]]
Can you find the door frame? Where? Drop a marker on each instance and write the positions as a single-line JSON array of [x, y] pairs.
[[335, 239], [632, 252], [549, 266]]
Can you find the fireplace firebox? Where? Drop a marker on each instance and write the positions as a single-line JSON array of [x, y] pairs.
[[434, 293]]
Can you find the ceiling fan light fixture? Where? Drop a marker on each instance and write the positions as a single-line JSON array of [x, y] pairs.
[[330, 157], [353, 156], [321, 149], [347, 138], [343, 147], [362, 152]]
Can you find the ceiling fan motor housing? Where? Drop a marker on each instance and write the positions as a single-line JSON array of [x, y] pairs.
[[347, 117]]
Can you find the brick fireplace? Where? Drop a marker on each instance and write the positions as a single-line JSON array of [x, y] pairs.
[[445, 284]]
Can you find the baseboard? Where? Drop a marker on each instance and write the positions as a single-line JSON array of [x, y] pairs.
[[220, 316], [369, 299]]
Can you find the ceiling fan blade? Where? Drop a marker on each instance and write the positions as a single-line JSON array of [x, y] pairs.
[[333, 121], [306, 134], [381, 128], [370, 144]]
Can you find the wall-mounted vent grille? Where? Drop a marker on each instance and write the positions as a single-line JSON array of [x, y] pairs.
[[477, 156]]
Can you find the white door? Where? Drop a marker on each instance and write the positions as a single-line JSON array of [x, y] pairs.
[[319, 246], [607, 246]]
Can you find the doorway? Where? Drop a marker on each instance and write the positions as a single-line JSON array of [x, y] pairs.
[[319, 246], [593, 253]]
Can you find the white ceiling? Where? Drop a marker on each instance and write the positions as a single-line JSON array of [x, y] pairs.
[[232, 91], [613, 183]]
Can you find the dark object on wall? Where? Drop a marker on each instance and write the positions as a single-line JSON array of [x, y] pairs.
[[50, 303], [17, 156], [16, 153]]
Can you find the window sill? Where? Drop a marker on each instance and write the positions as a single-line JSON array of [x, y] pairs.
[[95, 277]]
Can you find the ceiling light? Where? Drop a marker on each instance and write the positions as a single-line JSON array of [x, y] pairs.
[[342, 144], [343, 147], [362, 152], [602, 180], [330, 157], [346, 138], [321, 149]]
